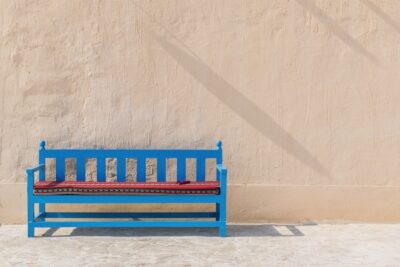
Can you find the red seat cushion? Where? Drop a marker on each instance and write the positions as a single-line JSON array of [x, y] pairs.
[[116, 188]]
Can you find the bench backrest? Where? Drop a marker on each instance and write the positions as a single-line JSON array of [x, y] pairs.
[[161, 155]]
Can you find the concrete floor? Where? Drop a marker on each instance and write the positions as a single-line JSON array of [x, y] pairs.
[[247, 245]]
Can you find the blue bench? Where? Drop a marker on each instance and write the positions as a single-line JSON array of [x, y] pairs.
[[44, 192]]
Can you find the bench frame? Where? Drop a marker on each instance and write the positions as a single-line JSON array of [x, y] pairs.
[[39, 220]]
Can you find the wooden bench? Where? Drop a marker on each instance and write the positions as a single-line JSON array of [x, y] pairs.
[[44, 192]]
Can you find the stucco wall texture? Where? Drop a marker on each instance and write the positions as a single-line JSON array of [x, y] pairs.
[[304, 95]]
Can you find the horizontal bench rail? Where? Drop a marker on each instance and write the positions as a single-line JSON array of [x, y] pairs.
[[127, 215], [127, 224], [125, 153]]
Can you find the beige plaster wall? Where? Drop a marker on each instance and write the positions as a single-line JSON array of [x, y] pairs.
[[304, 95]]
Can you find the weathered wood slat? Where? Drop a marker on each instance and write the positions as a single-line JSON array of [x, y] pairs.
[[181, 169]]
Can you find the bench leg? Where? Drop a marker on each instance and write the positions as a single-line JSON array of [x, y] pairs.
[[221, 215], [31, 217], [31, 230], [222, 231]]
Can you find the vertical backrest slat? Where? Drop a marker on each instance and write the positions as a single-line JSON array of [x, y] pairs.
[[219, 157], [121, 169], [200, 169], [101, 169], [141, 169], [60, 169], [42, 160], [181, 169], [161, 169], [80, 169]]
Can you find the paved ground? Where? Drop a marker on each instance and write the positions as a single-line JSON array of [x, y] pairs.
[[247, 245]]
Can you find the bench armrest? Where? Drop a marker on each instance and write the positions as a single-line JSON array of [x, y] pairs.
[[32, 170], [30, 177]]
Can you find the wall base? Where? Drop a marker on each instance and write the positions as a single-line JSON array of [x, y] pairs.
[[253, 203]]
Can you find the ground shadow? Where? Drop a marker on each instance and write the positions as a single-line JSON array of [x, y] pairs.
[[240, 104], [50, 231], [242, 230]]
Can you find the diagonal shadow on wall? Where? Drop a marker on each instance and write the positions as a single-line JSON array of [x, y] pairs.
[[241, 105], [382, 14], [336, 29]]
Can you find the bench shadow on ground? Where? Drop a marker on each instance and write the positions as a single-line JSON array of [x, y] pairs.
[[235, 230]]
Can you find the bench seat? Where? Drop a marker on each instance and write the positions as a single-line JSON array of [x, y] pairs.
[[123, 188]]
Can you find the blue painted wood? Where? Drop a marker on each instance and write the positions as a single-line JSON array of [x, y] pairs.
[[223, 173], [141, 169], [30, 179], [219, 152], [39, 168], [42, 160], [127, 215], [101, 169], [121, 169], [60, 169], [30, 204], [127, 224], [181, 169], [80, 169], [161, 169], [42, 172], [121, 155], [133, 153], [200, 169], [219, 157]]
